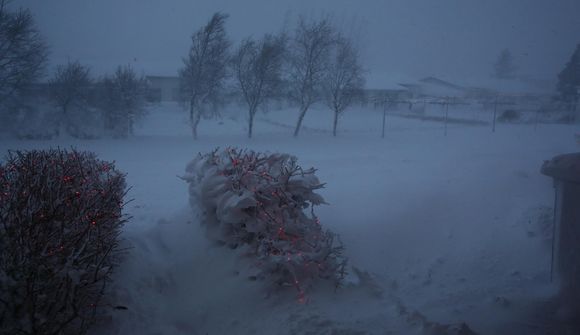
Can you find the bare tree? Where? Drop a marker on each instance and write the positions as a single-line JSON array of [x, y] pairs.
[[308, 58], [204, 71], [23, 52], [257, 70], [569, 78], [344, 78], [123, 100], [69, 89], [504, 67]]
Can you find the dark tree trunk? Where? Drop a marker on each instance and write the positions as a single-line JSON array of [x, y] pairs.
[[300, 118], [194, 118], [251, 122], [130, 127], [335, 123], [384, 121], [195, 124], [63, 126]]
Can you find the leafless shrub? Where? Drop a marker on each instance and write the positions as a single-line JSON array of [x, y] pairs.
[[60, 220]]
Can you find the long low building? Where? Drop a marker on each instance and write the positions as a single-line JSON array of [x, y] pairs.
[[163, 88]]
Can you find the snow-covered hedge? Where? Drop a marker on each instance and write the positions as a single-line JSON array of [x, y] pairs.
[[265, 203], [60, 219]]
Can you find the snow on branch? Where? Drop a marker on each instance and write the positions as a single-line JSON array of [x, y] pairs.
[[265, 202]]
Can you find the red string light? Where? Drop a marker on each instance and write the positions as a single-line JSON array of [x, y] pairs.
[[289, 237]]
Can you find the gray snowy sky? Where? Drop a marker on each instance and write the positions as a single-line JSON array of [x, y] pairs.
[[453, 39]]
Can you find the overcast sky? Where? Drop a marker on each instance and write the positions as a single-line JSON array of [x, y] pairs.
[[401, 38]]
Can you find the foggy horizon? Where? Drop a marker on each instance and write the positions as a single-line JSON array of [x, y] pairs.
[[401, 40], [321, 167]]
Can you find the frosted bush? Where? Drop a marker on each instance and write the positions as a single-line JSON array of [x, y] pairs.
[[265, 203]]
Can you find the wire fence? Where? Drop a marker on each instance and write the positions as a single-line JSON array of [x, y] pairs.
[[482, 112]]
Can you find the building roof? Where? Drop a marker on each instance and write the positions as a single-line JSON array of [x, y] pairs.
[[439, 82], [386, 81], [516, 86], [563, 167], [433, 86]]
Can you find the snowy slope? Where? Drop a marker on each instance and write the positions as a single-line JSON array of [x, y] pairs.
[[453, 228]]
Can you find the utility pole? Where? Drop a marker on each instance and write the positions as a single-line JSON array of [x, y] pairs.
[[384, 119], [494, 115], [446, 114], [537, 119], [447, 101], [576, 116], [387, 101]]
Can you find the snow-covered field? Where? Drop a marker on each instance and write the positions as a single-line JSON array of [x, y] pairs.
[[442, 230]]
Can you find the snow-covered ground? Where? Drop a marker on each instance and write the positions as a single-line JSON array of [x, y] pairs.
[[442, 229]]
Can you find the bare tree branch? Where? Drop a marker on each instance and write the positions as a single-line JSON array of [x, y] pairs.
[[204, 71], [310, 49], [504, 67], [23, 52], [123, 100], [257, 69], [344, 78], [70, 88]]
